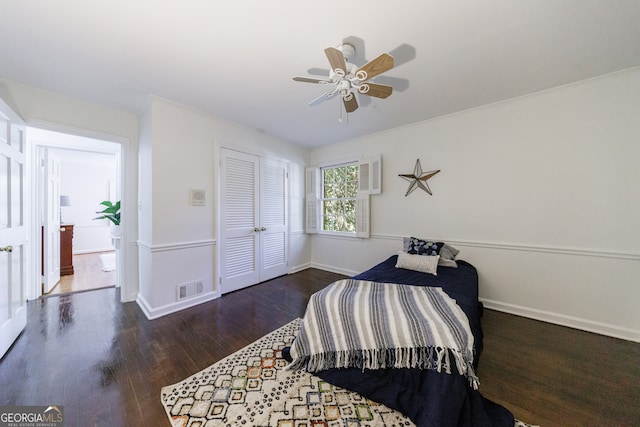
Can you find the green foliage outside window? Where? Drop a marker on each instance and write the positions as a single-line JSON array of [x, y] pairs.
[[339, 191]]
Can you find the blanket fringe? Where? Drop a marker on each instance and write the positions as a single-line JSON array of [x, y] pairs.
[[432, 358]]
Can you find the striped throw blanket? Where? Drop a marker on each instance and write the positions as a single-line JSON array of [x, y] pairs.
[[370, 325]]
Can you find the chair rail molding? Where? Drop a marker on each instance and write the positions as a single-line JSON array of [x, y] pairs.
[[176, 246]]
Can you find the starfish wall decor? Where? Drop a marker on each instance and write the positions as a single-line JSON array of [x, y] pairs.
[[418, 178]]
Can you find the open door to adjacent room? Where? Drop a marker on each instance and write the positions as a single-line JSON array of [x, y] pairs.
[[51, 221], [13, 253], [71, 176]]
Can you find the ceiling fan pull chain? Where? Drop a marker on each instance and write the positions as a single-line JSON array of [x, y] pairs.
[[346, 115], [346, 112]]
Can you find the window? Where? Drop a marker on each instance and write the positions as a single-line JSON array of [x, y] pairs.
[[337, 197], [338, 202]]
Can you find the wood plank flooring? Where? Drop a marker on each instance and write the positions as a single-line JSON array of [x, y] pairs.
[[106, 363], [87, 275]]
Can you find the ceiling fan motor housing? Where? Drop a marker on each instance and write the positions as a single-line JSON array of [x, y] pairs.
[[348, 51]]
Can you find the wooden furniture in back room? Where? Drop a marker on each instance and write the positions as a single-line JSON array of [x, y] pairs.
[[66, 249]]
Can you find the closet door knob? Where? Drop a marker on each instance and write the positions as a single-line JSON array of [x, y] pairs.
[[7, 249], [263, 228], [256, 229]]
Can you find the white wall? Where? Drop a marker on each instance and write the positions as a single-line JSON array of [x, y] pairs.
[[87, 179], [540, 193], [179, 151]]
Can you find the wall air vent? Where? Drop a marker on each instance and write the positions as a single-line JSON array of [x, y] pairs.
[[188, 290]]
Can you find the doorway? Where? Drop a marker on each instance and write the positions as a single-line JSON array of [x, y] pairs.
[[72, 176]]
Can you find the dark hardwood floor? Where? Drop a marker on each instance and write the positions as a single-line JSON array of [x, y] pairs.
[[106, 363]]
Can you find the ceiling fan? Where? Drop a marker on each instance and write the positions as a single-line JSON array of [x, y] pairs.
[[347, 78]]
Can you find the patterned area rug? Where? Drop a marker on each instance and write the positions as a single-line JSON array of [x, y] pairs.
[[252, 388]]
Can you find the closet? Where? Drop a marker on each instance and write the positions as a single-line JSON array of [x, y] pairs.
[[254, 234]]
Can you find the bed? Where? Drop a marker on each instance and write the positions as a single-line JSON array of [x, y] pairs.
[[430, 395]]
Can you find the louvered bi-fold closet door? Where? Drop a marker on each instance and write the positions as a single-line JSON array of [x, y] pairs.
[[254, 218], [239, 202], [273, 221]]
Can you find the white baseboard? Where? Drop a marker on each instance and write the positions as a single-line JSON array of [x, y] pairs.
[[94, 250], [154, 313], [564, 320], [334, 269], [299, 268]]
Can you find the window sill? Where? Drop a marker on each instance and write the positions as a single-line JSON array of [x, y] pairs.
[[339, 235]]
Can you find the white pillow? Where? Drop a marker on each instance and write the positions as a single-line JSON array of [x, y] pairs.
[[425, 264]]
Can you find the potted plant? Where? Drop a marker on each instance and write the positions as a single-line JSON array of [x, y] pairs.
[[112, 213]]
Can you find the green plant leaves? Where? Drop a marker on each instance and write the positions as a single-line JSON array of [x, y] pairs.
[[110, 212]]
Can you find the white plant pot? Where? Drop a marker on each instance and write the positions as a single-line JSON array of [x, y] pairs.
[[114, 231]]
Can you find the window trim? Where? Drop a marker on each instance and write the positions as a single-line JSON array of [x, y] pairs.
[[322, 199], [366, 187]]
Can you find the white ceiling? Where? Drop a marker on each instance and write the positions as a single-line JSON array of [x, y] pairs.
[[235, 59]]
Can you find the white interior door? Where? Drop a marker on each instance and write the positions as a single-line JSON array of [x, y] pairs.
[[13, 309], [51, 223], [239, 200], [274, 225]]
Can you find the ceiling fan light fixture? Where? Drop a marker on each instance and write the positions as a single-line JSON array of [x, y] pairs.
[[348, 78]]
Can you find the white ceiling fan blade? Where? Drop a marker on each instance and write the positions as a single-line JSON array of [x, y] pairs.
[[323, 97], [311, 80]]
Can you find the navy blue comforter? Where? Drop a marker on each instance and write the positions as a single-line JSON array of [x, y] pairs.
[[428, 398]]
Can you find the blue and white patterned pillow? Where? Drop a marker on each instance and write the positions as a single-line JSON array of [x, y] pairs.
[[423, 247]]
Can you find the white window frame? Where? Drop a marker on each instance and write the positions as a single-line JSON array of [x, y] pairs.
[[323, 200], [369, 182]]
